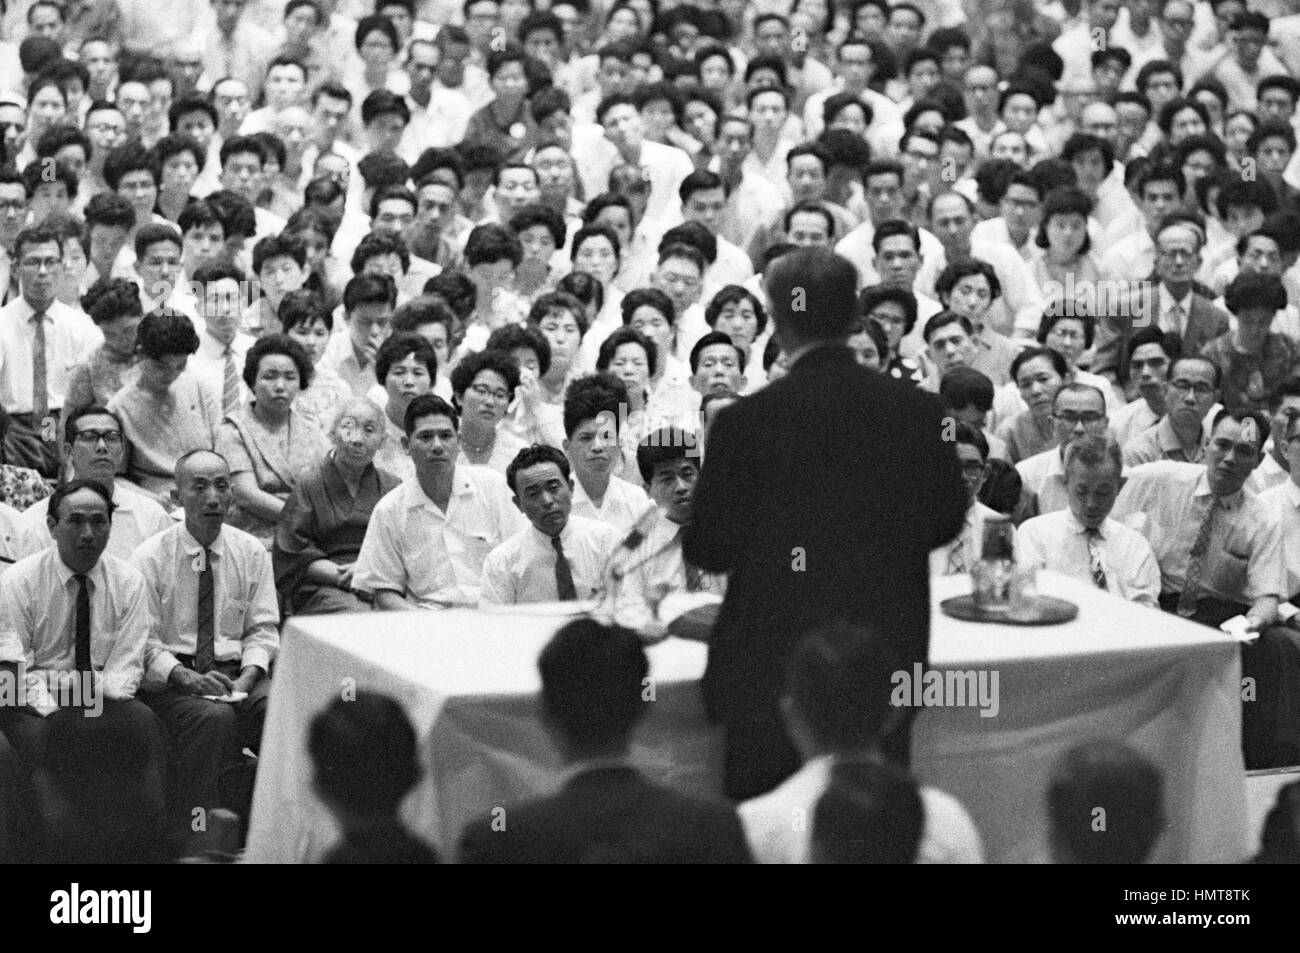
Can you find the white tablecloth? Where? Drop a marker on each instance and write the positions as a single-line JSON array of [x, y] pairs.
[[469, 682]]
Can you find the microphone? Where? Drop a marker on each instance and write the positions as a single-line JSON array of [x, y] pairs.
[[631, 542]]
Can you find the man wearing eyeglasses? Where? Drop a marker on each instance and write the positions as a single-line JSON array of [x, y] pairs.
[[93, 450], [41, 341], [961, 555], [1079, 409], [1191, 390]]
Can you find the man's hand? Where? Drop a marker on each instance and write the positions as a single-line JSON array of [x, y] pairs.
[[529, 390], [345, 576], [248, 678], [192, 683]]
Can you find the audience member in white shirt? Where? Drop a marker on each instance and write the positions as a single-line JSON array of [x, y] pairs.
[[427, 540], [1083, 541], [558, 557], [594, 409], [961, 555], [836, 708], [1078, 409], [1149, 354]]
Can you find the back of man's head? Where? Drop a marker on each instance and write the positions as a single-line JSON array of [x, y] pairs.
[[364, 751], [592, 683], [1104, 781], [838, 687], [871, 813], [814, 296]]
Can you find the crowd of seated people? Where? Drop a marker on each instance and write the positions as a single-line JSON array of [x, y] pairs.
[[328, 307]]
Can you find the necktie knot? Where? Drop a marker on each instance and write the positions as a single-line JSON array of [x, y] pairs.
[[564, 585], [557, 544]]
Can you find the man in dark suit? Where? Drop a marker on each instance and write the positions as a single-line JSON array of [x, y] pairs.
[[1171, 300], [593, 695], [822, 496]]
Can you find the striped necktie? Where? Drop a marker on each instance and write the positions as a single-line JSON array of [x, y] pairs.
[[40, 373], [230, 383], [204, 651], [1188, 598], [1094, 557]]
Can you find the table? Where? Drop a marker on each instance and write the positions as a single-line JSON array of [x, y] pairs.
[[469, 682]]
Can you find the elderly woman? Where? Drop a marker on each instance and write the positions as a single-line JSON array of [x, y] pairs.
[[269, 445], [324, 520], [406, 367], [166, 412], [1038, 373], [483, 385], [114, 305]]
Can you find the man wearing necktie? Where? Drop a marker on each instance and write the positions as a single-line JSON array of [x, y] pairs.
[[1083, 541], [960, 556], [74, 623], [1220, 551], [669, 461], [213, 593], [41, 340], [558, 557]]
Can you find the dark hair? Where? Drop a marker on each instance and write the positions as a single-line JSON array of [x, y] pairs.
[[36, 235], [86, 410], [1058, 362], [955, 271], [511, 337], [839, 683], [383, 168], [560, 301], [1249, 289], [531, 456], [242, 145], [971, 436], [1081, 143], [111, 298], [665, 445], [1051, 319], [165, 332], [197, 214], [397, 347], [962, 387], [942, 320], [277, 344], [425, 309], [279, 246], [127, 158], [592, 683], [692, 235], [809, 208], [1246, 193], [1067, 200], [871, 813], [626, 335], [875, 295], [1115, 778], [1002, 487], [65, 490], [369, 289], [470, 366], [154, 233], [733, 294], [236, 213], [366, 754], [594, 231], [272, 147], [488, 244], [376, 244], [1165, 118], [456, 289], [710, 339], [35, 175], [838, 102], [584, 289], [893, 228], [383, 102], [376, 23], [303, 308], [829, 294], [590, 396], [651, 298], [109, 210], [543, 215], [190, 104], [1269, 130], [428, 405]]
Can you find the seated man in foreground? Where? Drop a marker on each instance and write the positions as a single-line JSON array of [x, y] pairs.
[[607, 812]]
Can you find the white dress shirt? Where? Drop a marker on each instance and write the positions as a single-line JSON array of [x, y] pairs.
[[623, 504], [731, 267], [208, 364], [1169, 501], [778, 825], [522, 569], [1020, 306], [136, 518], [1283, 504], [658, 564], [968, 544], [856, 246], [1058, 541], [1268, 474], [38, 622], [70, 338], [16, 540], [434, 557], [1132, 419], [1043, 474], [245, 610], [664, 167]]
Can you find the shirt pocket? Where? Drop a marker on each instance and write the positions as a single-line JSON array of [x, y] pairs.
[[1228, 572]]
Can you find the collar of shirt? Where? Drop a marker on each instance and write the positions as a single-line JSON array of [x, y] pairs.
[[1292, 493], [64, 572], [1076, 528], [1167, 301], [462, 485], [192, 546], [1167, 438], [1229, 503], [24, 311], [544, 540]]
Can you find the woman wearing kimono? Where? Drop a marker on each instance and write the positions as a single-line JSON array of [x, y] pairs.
[[324, 521], [268, 445]]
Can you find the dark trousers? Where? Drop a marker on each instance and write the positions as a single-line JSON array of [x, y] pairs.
[[1270, 672], [27, 734], [9, 788], [34, 443], [206, 739]]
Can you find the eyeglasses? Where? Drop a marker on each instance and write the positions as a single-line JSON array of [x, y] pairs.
[[1068, 334], [1199, 388], [972, 468], [490, 393], [90, 438], [42, 264], [1086, 418]]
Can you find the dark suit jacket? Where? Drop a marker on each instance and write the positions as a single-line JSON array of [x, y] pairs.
[[822, 495], [610, 815], [1205, 322]]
